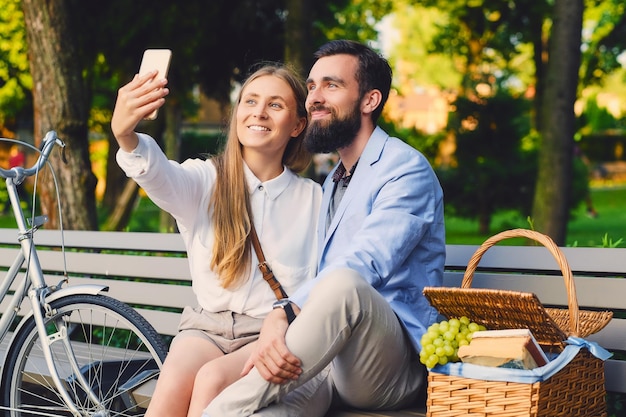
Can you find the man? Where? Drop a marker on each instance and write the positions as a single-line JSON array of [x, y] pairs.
[[355, 340]]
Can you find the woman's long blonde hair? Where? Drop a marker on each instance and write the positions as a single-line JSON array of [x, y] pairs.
[[232, 215]]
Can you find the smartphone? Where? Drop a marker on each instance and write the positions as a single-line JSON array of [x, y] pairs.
[[155, 59]]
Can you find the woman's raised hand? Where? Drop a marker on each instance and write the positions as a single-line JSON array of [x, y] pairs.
[[135, 101]]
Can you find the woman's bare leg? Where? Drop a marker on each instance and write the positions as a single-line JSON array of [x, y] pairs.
[[216, 375], [175, 384]]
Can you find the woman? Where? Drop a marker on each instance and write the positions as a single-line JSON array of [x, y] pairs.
[[215, 202]]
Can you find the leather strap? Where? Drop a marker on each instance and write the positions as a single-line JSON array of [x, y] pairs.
[[268, 274]]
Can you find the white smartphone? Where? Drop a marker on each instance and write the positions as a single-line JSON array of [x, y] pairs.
[[155, 59]]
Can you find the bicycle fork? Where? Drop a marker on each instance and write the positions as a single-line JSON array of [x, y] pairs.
[[40, 310]]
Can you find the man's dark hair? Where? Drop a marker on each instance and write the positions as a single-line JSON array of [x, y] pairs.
[[373, 72]]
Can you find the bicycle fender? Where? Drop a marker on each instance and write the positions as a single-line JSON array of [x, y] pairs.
[[91, 289]]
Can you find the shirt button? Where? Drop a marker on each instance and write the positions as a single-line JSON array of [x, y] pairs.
[[260, 188]]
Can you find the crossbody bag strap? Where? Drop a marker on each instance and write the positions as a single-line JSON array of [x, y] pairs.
[[268, 274]]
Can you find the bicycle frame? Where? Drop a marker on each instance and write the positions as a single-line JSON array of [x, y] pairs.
[[33, 285]]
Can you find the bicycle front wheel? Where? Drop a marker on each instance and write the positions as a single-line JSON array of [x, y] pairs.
[[104, 351]]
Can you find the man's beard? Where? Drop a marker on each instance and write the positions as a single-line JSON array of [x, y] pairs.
[[325, 137]]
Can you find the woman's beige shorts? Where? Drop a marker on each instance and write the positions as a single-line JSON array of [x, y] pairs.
[[227, 330]]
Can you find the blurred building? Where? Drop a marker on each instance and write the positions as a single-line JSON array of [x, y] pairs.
[[425, 109]]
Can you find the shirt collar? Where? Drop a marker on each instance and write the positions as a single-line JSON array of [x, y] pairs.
[[340, 173], [273, 188]]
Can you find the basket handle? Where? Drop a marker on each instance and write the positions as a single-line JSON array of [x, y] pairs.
[[572, 300]]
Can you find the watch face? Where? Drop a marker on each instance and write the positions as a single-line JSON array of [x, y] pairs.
[[286, 306], [281, 303]]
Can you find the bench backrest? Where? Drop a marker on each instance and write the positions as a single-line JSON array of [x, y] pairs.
[[150, 272], [147, 270]]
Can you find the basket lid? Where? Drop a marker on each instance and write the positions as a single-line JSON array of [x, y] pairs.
[[502, 309], [498, 309]]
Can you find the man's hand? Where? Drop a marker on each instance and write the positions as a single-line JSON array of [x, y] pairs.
[[271, 357]]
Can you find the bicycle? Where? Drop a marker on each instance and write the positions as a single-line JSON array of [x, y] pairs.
[[75, 351]]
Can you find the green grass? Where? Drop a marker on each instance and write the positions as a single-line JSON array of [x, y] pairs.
[[610, 203]]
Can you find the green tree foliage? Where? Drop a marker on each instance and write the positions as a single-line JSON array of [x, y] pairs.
[[214, 44], [412, 29], [595, 118], [494, 171], [355, 19], [458, 44], [485, 36], [604, 39], [492, 43], [15, 79]]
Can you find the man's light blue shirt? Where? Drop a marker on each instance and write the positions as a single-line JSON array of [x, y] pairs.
[[389, 227]]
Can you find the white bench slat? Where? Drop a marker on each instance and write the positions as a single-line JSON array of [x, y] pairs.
[[613, 336], [550, 288], [604, 260], [614, 375], [144, 293], [157, 267], [104, 240], [117, 265]]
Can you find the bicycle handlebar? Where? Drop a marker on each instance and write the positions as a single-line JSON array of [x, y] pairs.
[[47, 144]]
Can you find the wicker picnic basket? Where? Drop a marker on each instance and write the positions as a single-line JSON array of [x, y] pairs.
[[576, 390]]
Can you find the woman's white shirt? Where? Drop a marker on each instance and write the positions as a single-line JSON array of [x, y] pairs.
[[285, 211]]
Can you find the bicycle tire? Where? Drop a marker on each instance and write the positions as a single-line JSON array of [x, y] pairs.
[[115, 346]]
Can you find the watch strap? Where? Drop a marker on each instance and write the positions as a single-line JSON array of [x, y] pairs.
[[287, 307]]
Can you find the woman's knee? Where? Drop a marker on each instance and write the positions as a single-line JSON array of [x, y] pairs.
[[211, 378]]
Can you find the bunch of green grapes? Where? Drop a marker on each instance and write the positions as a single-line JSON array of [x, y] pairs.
[[440, 343]]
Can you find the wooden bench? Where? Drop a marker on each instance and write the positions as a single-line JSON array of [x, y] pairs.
[[150, 272]]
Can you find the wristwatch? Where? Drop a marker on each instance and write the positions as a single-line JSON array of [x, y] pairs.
[[285, 304]]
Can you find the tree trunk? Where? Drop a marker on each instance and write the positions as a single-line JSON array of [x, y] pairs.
[[123, 208], [298, 38], [171, 146], [60, 104], [550, 210], [539, 57], [115, 178], [484, 223]]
